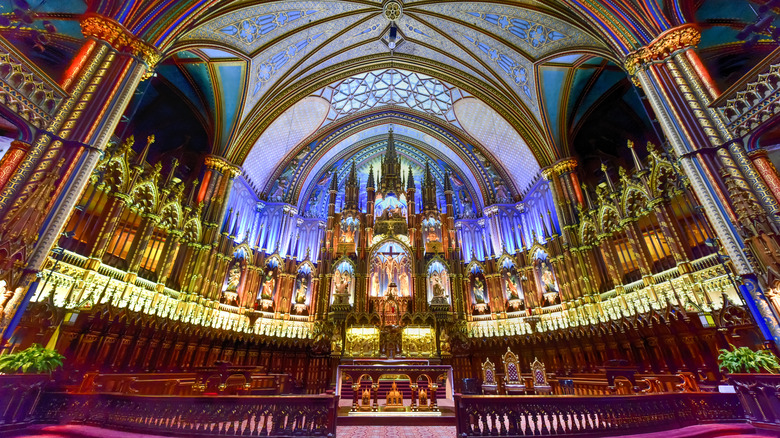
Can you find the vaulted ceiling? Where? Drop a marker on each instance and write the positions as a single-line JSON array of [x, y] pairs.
[[288, 89]]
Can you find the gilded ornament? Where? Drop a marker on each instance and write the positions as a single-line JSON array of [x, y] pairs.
[[662, 47], [120, 39]]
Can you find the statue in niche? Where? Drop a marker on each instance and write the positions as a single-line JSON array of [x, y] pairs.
[[348, 229], [234, 276], [479, 291], [502, 194], [438, 287], [467, 211], [404, 286], [343, 281], [512, 287], [444, 343], [550, 291], [375, 285], [433, 236], [300, 294], [269, 284]]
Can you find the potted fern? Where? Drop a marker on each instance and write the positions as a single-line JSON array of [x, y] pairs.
[[754, 377], [34, 360]]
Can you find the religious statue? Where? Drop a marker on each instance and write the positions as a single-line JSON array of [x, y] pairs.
[[479, 291], [433, 236], [342, 283], [403, 287], [341, 287], [548, 278], [268, 286], [512, 287], [444, 343], [438, 288], [300, 294], [375, 285], [234, 276], [348, 228]]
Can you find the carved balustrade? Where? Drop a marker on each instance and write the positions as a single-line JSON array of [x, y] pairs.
[[514, 416], [19, 396], [276, 416]]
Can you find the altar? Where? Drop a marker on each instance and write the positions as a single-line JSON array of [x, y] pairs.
[[421, 401]]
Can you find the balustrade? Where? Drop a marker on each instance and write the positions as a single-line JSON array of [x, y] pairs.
[[276, 416], [514, 416]]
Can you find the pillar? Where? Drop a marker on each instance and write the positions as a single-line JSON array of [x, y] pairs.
[[679, 91], [764, 167], [101, 80]]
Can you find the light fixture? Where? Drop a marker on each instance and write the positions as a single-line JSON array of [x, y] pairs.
[[392, 37]]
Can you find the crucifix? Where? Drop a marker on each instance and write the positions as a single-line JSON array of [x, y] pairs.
[[391, 253]]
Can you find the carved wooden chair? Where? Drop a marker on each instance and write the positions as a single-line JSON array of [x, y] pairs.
[[489, 385], [512, 380], [541, 385]]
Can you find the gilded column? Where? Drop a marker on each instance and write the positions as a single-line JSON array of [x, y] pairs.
[[766, 169], [11, 160], [679, 91], [100, 82]]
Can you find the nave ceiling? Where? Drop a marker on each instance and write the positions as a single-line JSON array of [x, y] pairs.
[[503, 89]]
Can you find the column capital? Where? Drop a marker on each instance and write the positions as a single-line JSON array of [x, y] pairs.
[[565, 165], [121, 39], [221, 165], [663, 46]]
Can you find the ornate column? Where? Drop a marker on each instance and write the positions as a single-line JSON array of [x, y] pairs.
[[762, 164], [11, 160], [680, 91], [100, 80]]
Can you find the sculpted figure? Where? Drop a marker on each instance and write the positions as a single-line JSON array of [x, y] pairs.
[[479, 291]]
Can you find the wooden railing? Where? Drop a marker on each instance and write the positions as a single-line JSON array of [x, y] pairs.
[[597, 384], [276, 416], [19, 395], [760, 395], [514, 416], [206, 380]]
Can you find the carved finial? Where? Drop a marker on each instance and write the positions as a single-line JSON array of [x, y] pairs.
[[606, 174], [637, 163], [587, 195]]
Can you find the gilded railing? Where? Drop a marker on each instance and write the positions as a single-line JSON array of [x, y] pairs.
[[515, 416]]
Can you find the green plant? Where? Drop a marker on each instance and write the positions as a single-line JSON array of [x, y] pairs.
[[745, 360], [35, 359]]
